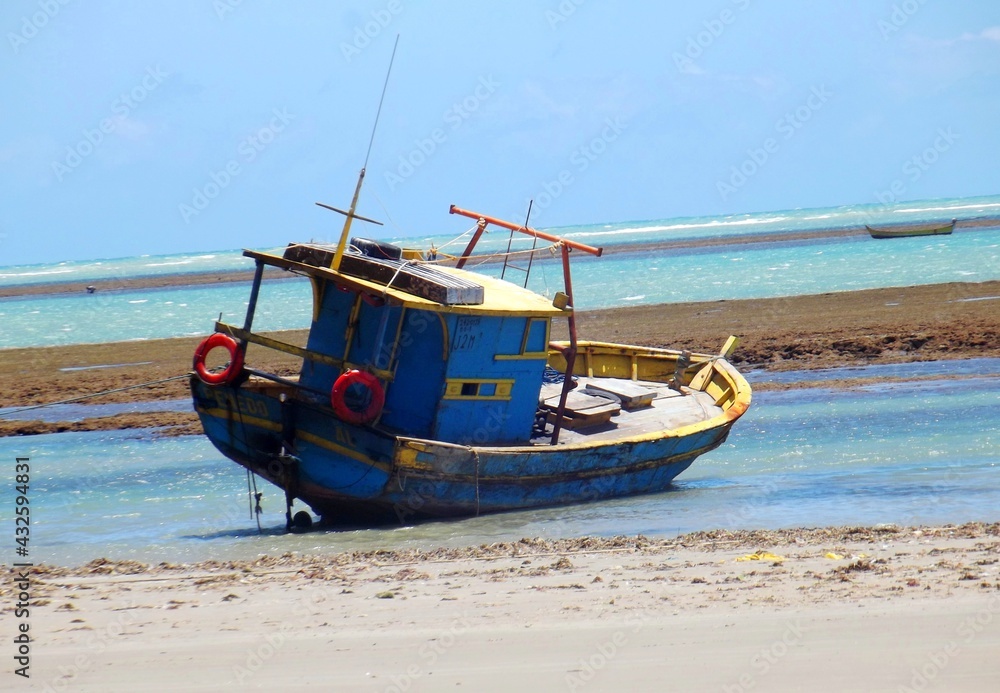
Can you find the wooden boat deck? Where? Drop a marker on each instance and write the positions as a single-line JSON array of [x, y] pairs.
[[669, 409]]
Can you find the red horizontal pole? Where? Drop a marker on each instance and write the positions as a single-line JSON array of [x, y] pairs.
[[526, 230]]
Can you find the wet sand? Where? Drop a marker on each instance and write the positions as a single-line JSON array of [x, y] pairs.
[[878, 609], [940, 321]]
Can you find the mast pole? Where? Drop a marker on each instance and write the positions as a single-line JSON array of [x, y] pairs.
[[342, 243]]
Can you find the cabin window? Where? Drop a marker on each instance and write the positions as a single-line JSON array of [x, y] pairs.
[[536, 334], [534, 341]]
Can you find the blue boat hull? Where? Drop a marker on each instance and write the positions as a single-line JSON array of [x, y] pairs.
[[353, 474]]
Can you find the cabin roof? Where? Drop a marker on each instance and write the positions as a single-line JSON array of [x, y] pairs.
[[499, 297]]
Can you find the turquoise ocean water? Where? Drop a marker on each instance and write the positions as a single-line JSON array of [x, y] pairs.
[[731, 271], [920, 451]]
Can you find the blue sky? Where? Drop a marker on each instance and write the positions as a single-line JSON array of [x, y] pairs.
[[134, 128]]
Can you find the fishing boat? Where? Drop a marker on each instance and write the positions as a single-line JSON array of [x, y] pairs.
[[426, 390], [905, 231]]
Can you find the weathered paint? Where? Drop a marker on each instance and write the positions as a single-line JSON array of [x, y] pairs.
[[351, 473], [462, 383]]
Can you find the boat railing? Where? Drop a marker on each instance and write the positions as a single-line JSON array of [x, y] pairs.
[[709, 373], [239, 333], [246, 336]]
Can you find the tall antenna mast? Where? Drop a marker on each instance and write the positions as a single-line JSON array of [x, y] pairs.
[[342, 244]]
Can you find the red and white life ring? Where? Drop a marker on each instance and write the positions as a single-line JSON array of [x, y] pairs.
[[233, 369], [357, 397]]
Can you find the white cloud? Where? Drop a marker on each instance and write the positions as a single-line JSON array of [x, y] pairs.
[[689, 67], [132, 129], [991, 34], [540, 97]]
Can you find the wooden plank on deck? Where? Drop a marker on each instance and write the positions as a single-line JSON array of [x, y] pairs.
[[582, 410], [631, 394]]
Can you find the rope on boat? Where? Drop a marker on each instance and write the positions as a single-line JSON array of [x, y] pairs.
[[252, 496], [396, 274], [497, 254], [512, 253], [92, 395], [482, 258], [460, 236]]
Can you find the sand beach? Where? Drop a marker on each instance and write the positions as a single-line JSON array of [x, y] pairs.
[[873, 609]]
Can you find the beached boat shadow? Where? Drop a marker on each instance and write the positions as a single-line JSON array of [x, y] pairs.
[[238, 533], [278, 530], [586, 516]]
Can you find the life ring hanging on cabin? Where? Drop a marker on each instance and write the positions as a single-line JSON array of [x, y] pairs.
[[357, 397], [233, 369]]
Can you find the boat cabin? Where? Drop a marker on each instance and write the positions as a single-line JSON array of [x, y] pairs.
[[458, 357]]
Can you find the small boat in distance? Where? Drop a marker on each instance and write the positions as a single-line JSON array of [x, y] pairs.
[[905, 231]]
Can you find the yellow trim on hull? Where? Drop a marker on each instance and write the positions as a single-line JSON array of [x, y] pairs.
[[428, 471], [302, 435], [341, 450], [219, 413]]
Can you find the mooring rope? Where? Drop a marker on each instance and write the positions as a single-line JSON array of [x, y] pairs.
[[459, 237], [512, 253], [95, 394]]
